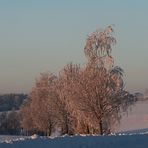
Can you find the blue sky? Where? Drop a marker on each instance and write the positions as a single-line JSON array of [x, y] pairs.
[[44, 35]]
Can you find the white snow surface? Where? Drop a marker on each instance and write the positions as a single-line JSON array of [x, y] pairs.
[[120, 140]]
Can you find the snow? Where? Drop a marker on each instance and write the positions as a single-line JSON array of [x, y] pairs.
[[121, 140], [34, 136]]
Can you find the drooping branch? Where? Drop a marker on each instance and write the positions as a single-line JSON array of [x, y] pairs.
[[99, 46]]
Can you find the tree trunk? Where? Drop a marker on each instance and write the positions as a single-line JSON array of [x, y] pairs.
[[101, 127], [65, 126], [49, 130], [87, 129]]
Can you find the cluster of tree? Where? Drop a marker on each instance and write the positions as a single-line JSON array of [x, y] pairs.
[[10, 123], [11, 101], [80, 100], [9, 113]]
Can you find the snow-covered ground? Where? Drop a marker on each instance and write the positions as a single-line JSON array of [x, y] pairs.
[[139, 140]]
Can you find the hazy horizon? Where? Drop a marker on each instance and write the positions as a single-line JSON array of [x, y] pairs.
[[38, 36]]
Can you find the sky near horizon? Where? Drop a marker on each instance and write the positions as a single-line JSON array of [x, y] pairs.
[[44, 35]]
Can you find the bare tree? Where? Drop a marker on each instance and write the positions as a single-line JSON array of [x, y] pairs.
[[26, 117], [41, 105], [65, 89], [105, 88]]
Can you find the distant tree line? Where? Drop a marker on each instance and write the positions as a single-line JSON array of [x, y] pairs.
[[10, 114], [80, 100], [10, 123], [11, 101]]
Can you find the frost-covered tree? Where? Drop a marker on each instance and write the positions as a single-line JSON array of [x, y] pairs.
[[100, 99], [41, 107], [80, 100], [65, 90], [103, 84]]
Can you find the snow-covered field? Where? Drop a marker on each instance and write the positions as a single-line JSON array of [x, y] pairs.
[[139, 140]]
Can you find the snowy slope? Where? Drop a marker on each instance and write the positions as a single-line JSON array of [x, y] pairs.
[[113, 141]]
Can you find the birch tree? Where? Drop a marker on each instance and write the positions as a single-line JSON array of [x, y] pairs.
[[80, 100]]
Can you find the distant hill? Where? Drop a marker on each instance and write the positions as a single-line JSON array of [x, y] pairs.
[[11, 101]]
